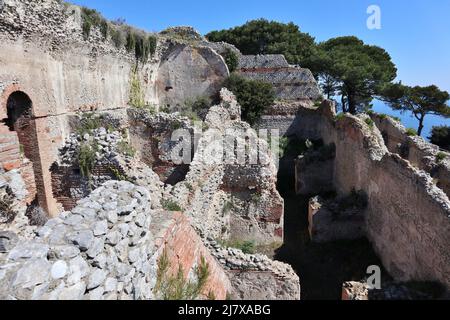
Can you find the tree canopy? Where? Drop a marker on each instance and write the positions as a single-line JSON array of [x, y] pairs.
[[440, 136], [254, 96], [420, 101], [354, 70], [270, 37]]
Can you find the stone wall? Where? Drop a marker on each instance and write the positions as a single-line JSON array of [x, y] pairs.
[[289, 82], [327, 225], [407, 219], [416, 150], [233, 199], [108, 248], [45, 56]]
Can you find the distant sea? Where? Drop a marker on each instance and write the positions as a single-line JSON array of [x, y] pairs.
[[409, 121]]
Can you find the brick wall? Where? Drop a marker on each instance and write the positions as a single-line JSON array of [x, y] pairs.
[[183, 246]]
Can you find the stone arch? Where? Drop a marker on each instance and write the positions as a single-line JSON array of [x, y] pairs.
[[17, 116]]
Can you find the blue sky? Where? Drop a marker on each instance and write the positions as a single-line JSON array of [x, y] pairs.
[[415, 33]]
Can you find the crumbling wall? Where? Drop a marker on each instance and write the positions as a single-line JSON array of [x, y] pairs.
[[289, 82], [227, 198], [255, 276], [416, 150], [46, 56], [151, 137], [107, 248], [328, 225], [407, 219]]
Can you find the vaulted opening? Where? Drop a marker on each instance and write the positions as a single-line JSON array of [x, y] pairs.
[[20, 119]]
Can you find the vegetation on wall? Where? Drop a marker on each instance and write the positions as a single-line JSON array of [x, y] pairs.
[[136, 93], [176, 286], [441, 156], [247, 247], [135, 41], [92, 19], [171, 205], [411, 132], [87, 158], [196, 109], [231, 59], [89, 122], [254, 96]]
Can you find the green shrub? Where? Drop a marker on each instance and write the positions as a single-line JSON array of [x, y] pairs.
[[441, 156], [340, 116], [411, 132], [189, 187], [171, 205], [143, 46], [117, 37], [91, 18], [254, 96], [200, 104], [87, 158], [175, 125], [177, 287], [88, 123], [231, 59], [369, 122], [228, 207], [119, 176], [247, 247]]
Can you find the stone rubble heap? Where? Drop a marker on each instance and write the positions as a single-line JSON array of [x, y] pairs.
[[12, 186], [106, 142], [235, 259], [100, 250]]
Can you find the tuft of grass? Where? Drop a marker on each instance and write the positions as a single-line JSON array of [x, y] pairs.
[[228, 207], [91, 18], [171, 205], [177, 287], [256, 197], [441, 156], [88, 123], [339, 117], [189, 187], [87, 158], [369, 122], [247, 247], [119, 176], [411, 132]]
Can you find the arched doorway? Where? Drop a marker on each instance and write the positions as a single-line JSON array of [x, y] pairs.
[[20, 120]]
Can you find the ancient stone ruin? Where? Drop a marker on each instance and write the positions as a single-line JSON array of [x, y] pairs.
[[94, 206]]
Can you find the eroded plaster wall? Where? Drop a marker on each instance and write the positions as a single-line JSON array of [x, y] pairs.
[[44, 54]]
